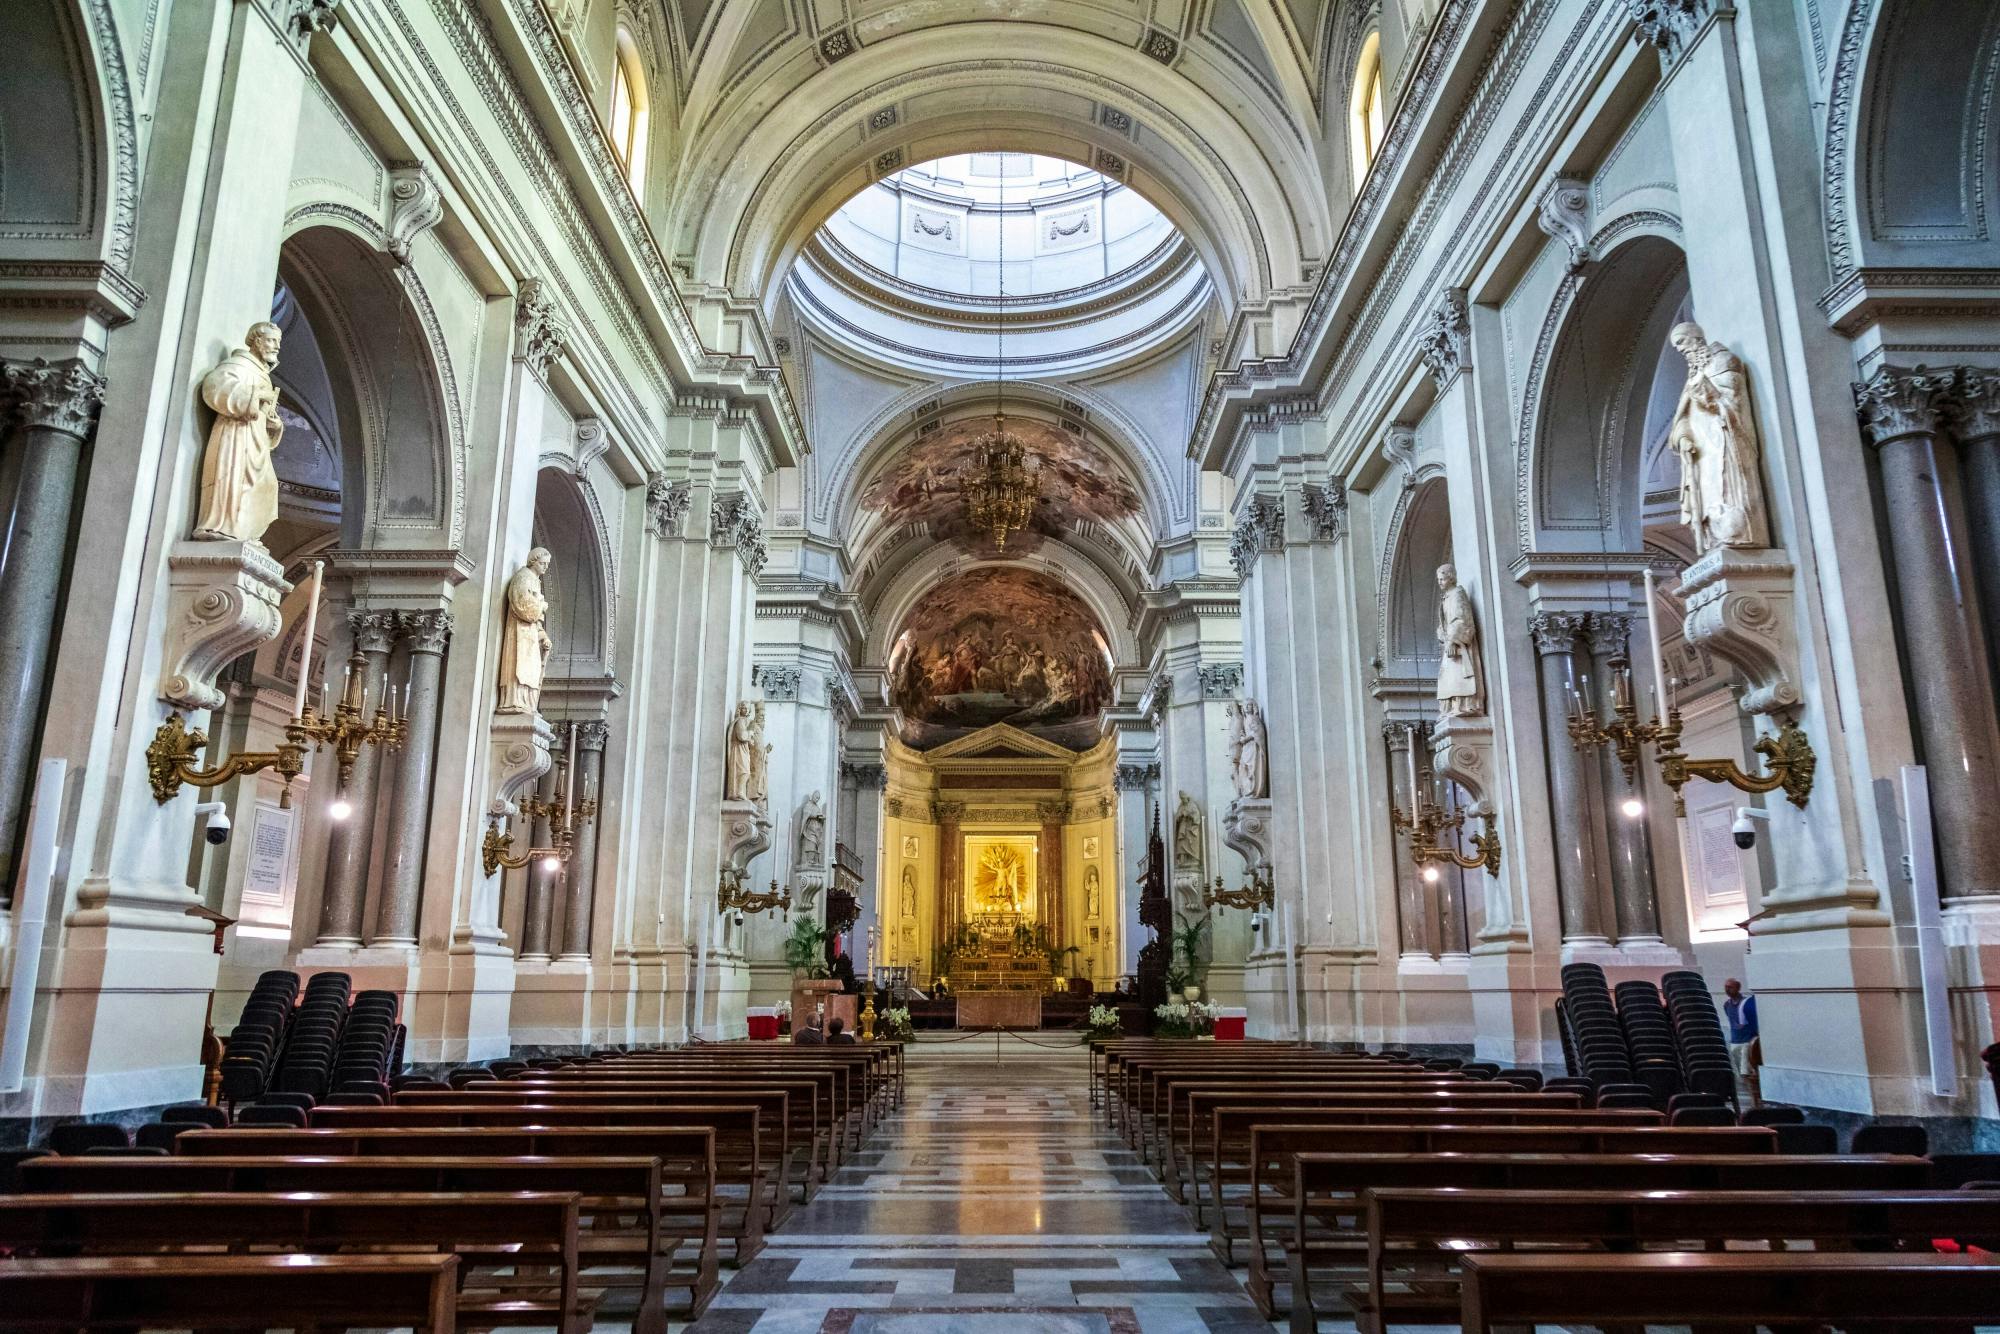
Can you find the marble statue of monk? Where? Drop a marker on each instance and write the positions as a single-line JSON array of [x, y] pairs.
[[239, 485]]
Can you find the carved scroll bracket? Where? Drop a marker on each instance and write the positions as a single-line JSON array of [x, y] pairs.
[[1740, 607], [523, 749], [223, 600]]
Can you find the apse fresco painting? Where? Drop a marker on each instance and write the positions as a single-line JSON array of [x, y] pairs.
[[1074, 481], [1001, 645]]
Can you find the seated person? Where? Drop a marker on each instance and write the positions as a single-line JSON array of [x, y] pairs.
[[837, 1034], [810, 1036]]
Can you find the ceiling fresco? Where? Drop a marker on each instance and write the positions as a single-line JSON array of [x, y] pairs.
[[1001, 645], [1075, 480]]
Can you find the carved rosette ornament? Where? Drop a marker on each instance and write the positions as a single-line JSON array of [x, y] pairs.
[[52, 396], [541, 331], [1446, 345], [1260, 528], [667, 504]]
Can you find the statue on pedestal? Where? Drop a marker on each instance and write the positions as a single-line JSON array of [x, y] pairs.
[[1187, 835], [1247, 749], [239, 487], [909, 891], [746, 740], [812, 832], [1715, 435], [524, 641], [1461, 689]]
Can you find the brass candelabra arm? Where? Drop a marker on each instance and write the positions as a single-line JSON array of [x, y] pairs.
[[1790, 764], [1485, 848], [170, 761], [730, 896], [1256, 895], [495, 851]]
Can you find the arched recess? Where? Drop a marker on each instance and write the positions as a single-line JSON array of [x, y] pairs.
[[70, 188], [1584, 418], [581, 582], [1912, 162], [1243, 190], [400, 425], [1407, 594]]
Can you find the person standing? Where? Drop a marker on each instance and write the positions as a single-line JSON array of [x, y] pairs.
[[1744, 1054]]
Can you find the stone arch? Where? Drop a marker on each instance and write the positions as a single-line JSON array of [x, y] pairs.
[[70, 189], [1911, 158], [1418, 541], [1584, 416], [889, 605], [395, 401], [582, 581]]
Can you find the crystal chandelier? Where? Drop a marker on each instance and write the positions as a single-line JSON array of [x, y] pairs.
[[1000, 498]]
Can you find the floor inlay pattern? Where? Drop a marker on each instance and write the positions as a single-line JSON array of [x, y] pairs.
[[993, 1202]]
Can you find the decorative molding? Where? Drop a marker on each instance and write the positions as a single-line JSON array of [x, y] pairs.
[[836, 45], [1565, 214], [1260, 528], [779, 681], [1740, 607], [733, 523], [1161, 46], [541, 331], [1325, 510], [667, 504], [1446, 343], [1220, 680], [415, 206], [51, 396], [1670, 26], [426, 631], [223, 599], [1555, 631]]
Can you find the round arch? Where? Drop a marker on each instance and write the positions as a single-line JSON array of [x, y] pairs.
[[763, 188], [581, 583], [1407, 595]]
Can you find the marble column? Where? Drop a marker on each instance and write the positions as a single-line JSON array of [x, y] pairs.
[[1635, 900], [950, 853], [1134, 784], [1902, 415], [580, 877], [1976, 423], [350, 842], [540, 901], [1413, 917], [425, 635], [53, 411], [1053, 815], [1569, 784]]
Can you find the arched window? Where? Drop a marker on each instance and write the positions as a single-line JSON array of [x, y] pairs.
[[1365, 116], [628, 112]]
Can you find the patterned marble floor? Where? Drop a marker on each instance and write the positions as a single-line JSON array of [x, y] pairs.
[[993, 1201]]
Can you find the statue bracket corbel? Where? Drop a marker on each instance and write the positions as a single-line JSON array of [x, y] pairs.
[[1740, 607], [523, 750], [224, 598]]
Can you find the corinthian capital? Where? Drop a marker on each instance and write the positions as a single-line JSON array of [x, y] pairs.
[[427, 631], [1610, 632], [540, 329], [55, 396], [374, 631], [1556, 631], [1896, 403], [1978, 415], [1669, 25]]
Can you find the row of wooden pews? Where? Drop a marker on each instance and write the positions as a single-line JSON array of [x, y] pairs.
[[511, 1196], [1393, 1191]]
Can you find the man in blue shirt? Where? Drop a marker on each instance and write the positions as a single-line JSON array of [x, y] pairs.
[[1741, 1013]]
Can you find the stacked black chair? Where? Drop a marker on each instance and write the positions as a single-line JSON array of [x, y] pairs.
[[84, 1136], [1772, 1116], [1581, 1087], [1649, 1036], [252, 1054], [1602, 1055], [1698, 1038], [368, 1042], [1876, 1137], [306, 1063], [195, 1114], [1571, 1061]]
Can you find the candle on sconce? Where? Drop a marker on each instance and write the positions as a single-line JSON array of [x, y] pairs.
[[306, 655], [569, 775], [1414, 800], [1653, 637]]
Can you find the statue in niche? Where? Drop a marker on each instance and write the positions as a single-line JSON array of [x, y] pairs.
[[524, 641], [812, 832], [746, 738], [1187, 835], [1092, 892], [239, 485], [1461, 689], [1247, 747], [760, 760], [1715, 435], [909, 891]]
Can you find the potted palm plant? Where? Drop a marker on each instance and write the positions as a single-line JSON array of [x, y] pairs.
[[1187, 940]]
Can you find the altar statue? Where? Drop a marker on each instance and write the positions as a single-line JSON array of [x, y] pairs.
[[1715, 435], [524, 642], [239, 486], [1461, 690]]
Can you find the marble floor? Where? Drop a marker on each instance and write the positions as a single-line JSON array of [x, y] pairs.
[[992, 1201]]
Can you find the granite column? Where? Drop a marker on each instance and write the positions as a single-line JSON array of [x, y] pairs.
[[1413, 916], [541, 897], [1635, 900], [54, 409], [1569, 784], [351, 841], [951, 894], [425, 635], [580, 877], [1903, 416], [1976, 423]]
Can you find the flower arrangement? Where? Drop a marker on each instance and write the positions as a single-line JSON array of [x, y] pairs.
[[784, 1009], [1183, 1019], [895, 1024], [1103, 1021]]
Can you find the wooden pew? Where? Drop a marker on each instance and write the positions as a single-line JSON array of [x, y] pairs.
[[1413, 1274], [1220, 1158], [1105, 1052], [1735, 1288], [1322, 1211], [751, 1141], [1140, 1081], [487, 1231], [1124, 1063], [230, 1292], [871, 1075], [836, 1084], [626, 1239], [1163, 1089]]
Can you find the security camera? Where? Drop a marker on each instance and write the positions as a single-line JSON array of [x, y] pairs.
[[1745, 832], [739, 917], [215, 822], [1256, 924]]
